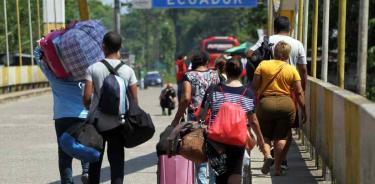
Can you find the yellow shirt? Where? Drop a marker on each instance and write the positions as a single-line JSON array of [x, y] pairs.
[[282, 84]]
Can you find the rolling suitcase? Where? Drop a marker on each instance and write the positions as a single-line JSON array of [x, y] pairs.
[[175, 170]]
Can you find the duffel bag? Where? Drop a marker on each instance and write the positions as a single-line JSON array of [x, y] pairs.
[[138, 126], [53, 59], [80, 47], [83, 143]]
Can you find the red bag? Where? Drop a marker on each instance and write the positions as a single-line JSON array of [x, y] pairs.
[[53, 59], [230, 124]]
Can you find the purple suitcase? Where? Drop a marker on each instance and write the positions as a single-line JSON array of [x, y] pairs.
[[175, 170]]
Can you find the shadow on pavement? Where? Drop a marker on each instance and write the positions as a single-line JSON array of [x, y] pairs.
[[131, 166]]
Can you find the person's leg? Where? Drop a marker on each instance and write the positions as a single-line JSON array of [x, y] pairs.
[[169, 111], [95, 167], [115, 154], [279, 148], [65, 161], [85, 172], [234, 179], [163, 111], [201, 173]]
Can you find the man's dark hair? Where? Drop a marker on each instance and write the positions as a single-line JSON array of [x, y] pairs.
[[112, 42], [233, 67], [199, 59], [281, 24]]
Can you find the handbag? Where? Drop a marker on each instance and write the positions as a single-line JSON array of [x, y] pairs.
[[138, 127], [162, 145]]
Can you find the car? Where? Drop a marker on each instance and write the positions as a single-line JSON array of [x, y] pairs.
[[153, 78]]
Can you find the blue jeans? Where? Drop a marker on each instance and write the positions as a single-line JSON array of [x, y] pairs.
[[65, 161], [201, 174], [201, 169]]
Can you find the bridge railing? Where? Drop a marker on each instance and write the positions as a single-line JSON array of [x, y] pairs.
[[341, 128], [15, 78]]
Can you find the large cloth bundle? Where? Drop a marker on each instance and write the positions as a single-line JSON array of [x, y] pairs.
[[51, 54], [80, 47]]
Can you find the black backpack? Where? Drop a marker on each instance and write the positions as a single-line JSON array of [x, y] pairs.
[[112, 98], [264, 52]]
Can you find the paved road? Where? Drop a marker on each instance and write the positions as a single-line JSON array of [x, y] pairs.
[[28, 149]]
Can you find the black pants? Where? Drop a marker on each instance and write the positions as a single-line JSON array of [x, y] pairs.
[[115, 153], [169, 110]]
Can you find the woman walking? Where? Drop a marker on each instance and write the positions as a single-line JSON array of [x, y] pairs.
[[233, 91], [275, 81], [195, 83]]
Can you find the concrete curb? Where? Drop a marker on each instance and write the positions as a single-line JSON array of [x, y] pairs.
[[4, 98]]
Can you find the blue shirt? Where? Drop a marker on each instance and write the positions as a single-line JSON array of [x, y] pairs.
[[67, 94]]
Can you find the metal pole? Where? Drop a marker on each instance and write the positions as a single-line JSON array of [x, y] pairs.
[[38, 18], [300, 19], [116, 15], [341, 43], [6, 31], [55, 14], [325, 51], [305, 23], [362, 46], [83, 10], [30, 33], [314, 44], [270, 17], [19, 32]]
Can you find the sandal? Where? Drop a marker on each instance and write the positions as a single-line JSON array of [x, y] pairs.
[[266, 165]]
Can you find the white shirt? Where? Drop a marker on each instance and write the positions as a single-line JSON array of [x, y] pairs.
[[297, 55]]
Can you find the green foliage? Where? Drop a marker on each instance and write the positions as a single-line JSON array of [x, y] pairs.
[[24, 24]]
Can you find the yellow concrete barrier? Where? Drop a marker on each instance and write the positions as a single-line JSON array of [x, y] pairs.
[[341, 127], [17, 75]]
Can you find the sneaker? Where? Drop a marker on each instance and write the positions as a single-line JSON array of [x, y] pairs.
[[284, 165], [85, 178], [266, 165]]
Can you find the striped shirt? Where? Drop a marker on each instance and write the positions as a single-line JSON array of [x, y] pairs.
[[216, 97]]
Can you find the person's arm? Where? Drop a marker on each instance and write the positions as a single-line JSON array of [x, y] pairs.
[[254, 125], [133, 89], [89, 88], [184, 102], [254, 47], [299, 94], [302, 65], [256, 82], [302, 70]]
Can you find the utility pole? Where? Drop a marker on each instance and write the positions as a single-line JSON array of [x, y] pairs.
[[116, 15], [270, 17], [362, 46], [325, 51]]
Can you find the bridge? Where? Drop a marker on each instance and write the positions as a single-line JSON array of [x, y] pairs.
[[336, 145]]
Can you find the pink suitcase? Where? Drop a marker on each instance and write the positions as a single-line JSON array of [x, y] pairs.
[[175, 170], [53, 59]]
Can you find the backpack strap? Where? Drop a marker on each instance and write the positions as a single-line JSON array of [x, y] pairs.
[[113, 71]]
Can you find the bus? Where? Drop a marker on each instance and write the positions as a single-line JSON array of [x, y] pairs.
[[217, 45]]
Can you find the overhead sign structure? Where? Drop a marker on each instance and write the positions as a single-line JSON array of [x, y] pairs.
[[144, 4]]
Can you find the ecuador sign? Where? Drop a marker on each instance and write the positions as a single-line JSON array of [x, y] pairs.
[[195, 3]]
